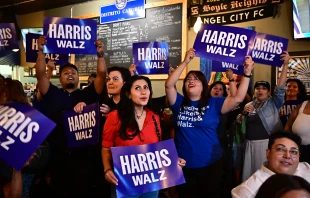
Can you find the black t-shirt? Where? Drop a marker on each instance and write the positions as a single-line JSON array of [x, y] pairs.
[[56, 101], [255, 129]]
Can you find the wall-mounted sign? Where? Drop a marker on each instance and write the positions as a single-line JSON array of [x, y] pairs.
[[122, 10]]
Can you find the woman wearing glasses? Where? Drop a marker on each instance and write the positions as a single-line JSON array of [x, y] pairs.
[[196, 116]]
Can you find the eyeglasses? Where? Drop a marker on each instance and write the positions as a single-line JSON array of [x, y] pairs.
[[281, 150]]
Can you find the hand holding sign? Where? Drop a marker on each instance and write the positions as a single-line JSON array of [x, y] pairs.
[[41, 41], [79, 107], [132, 69], [181, 162], [248, 65], [285, 58], [190, 54], [104, 109], [51, 64], [110, 177]]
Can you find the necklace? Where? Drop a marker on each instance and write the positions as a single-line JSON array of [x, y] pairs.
[[139, 116]]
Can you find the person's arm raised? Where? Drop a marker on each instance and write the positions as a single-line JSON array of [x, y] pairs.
[[283, 76], [101, 68], [43, 81], [232, 102], [171, 92], [232, 83]]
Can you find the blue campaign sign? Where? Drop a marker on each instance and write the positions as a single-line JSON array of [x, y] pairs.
[[32, 51], [8, 38], [223, 66], [223, 43], [70, 36], [146, 168], [267, 49], [82, 129], [122, 10], [151, 57], [22, 130]]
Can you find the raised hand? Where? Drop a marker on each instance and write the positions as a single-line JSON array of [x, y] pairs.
[[40, 42], [99, 45], [248, 65], [171, 69], [190, 54], [229, 74], [181, 162], [51, 64], [285, 57]]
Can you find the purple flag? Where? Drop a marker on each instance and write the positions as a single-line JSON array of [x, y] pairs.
[[146, 168], [82, 129], [66, 35], [151, 57], [22, 130], [223, 66], [267, 49], [32, 51], [8, 38], [223, 43]]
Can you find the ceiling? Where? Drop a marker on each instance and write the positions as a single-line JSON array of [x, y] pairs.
[[21, 7]]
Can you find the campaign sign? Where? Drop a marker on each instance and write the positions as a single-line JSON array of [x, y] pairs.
[[70, 36], [122, 10], [267, 49], [146, 168], [8, 38], [22, 130], [151, 57], [32, 51], [223, 43], [223, 66], [82, 129]]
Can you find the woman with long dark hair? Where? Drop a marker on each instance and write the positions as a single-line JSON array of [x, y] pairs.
[[196, 117], [295, 94], [134, 123]]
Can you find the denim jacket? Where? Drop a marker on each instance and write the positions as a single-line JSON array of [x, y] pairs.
[[269, 113]]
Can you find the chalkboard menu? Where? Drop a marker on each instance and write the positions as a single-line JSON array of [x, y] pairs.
[[162, 23]]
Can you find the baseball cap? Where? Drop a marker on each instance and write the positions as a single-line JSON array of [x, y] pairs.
[[263, 83], [67, 65]]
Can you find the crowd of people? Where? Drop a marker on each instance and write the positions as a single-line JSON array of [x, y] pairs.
[[228, 143]]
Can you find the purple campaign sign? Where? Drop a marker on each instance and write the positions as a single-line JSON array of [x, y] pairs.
[[22, 130], [8, 38], [267, 49], [32, 51], [146, 168], [66, 35], [223, 66], [82, 129], [151, 57], [223, 43]]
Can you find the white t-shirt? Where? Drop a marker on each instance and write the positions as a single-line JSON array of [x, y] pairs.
[[249, 188]]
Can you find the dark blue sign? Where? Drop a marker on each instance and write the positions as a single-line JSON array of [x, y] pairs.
[[82, 129], [223, 43], [22, 130], [267, 49], [32, 51], [70, 36], [223, 66], [146, 168], [122, 10], [8, 38], [151, 57]]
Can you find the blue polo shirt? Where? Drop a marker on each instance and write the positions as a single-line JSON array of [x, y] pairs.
[[196, 138], [58, 100]]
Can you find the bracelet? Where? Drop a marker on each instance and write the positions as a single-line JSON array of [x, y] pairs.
[[231, 80], [100, 55], [247, 76], [105, 172]]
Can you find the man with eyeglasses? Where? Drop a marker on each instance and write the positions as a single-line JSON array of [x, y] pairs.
[[282, 158]]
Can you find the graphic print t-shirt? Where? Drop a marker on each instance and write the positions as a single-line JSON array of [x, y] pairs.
[[196, 138]]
